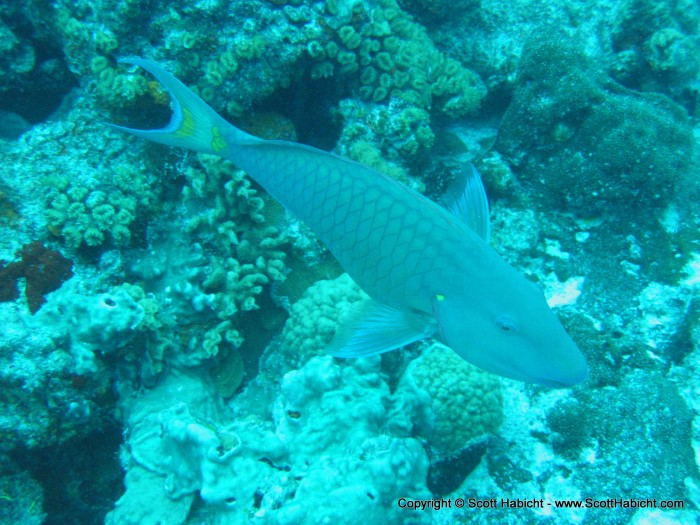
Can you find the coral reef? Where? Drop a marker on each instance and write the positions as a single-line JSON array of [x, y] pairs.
[[45, 403], [99, 325], [34, 77], [176, 318], [334, 421], [403, 80], [21, 496], [250, 253], [208, 271], [182, 445], [375, 51], [595, 147], [250, 469], [655, 47]]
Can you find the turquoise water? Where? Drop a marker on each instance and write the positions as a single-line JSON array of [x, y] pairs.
[[163, 321]]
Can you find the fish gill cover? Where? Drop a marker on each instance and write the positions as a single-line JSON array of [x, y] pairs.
[[179, 374]]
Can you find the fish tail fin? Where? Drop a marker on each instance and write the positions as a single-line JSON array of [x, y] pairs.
[[193, 125]]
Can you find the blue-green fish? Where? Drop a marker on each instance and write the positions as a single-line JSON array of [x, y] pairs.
[[428, 270]]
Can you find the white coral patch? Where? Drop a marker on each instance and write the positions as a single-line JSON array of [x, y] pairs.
[[692, 270], [562, 294]]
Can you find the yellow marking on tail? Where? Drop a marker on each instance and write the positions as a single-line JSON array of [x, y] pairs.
[[218, 143], [188, 124]]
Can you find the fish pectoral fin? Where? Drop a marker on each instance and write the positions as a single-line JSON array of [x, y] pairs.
[[374, 328], [466, 199]]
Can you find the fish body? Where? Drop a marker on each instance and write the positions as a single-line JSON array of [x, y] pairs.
[[427, 270]]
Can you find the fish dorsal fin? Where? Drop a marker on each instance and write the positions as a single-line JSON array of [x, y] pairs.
[[466, 199], [374, 328]]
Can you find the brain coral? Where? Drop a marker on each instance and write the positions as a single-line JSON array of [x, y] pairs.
[[314, 318], [466, 403]]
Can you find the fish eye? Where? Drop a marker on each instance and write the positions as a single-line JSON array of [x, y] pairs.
[[506, 325]]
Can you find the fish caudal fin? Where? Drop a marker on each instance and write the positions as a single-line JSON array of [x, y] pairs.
[[193, 125]]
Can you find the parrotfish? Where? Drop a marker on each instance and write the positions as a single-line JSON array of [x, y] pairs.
[[428, 268]]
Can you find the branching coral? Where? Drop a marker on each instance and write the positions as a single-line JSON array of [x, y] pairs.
[[246, 253]]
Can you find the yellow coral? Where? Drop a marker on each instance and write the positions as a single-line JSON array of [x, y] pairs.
[[466, 401], [315, 317]]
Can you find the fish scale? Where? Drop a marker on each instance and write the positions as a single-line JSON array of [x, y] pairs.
[[350, 206]]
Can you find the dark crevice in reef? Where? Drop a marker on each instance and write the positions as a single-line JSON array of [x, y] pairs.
[[447, 474], [81, 479], [310, 105], [35, 76]]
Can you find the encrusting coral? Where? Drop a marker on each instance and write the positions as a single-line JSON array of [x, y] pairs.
[[591, 144], [403, 79], [43, 269], [85, 211]]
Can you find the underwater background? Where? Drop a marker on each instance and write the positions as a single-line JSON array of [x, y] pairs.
[[163, 321]]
